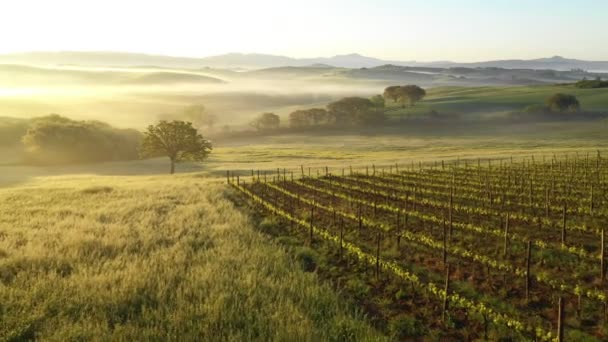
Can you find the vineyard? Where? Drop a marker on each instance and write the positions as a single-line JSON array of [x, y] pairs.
[[473, 248]]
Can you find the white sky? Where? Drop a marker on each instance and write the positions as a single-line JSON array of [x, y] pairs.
[[465, 30]]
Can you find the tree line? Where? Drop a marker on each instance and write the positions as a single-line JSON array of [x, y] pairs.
[[348, 111]]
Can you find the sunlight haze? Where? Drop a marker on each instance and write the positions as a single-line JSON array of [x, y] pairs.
[[469, 30]]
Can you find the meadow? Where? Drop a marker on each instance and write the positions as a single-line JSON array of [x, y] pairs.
[[154, 258]]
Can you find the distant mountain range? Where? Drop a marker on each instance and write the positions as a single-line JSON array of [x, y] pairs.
[[259, 61]]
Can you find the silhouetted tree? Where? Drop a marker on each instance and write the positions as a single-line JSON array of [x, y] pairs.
[[266, 121], [355, 111], [309, 117], [563, 102], [55, 139], [409, 94], [177, 140], [391, 93]]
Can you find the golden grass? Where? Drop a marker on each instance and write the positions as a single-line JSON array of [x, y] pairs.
[[153, 258]]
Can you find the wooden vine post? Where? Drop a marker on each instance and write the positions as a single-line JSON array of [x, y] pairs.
[[591, 201], [378, 256], [360, 220], [505, 249], [227, 177], [446, 289], [312, 214], [451, 206], [528, 277], [603, 256], [341, 236], [445, 252], [560, 319], [564, 225]]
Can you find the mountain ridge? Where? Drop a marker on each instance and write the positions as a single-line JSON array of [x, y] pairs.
[[237, 60]]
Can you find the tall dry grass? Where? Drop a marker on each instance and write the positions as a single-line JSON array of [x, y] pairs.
[[153, 258]]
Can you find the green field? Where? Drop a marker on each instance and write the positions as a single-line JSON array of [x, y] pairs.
[[487, 100]]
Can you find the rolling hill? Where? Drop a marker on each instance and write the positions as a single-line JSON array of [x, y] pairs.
[[258, 61]]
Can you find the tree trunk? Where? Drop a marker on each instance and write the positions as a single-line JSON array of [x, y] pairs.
[[172, 166]]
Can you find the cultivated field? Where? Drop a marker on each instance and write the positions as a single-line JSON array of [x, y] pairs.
[[462, 250]]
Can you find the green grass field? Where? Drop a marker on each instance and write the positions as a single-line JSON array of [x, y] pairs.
[[153, 258], [475, 100]]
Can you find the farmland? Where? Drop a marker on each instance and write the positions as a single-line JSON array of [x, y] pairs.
[[471, 248]]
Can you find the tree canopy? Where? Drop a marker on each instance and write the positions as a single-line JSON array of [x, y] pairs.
[[266, 121], [406, 95], [391, 93], [563, 102], [309, 117], [178, 140], [355, 111], [55, 139], [410, 94]]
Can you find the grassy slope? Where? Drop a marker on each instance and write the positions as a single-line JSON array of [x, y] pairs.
[[119, 258], [493, 99], [341, 151]]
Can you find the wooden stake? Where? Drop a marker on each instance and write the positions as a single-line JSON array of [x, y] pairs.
[[378, 256], [603, 256], [564, 225], [528, 257], [446, 288], [341, 235], [560, 320], [451, 208], [591, 201], [547, 202], [227, 177], [445, 253], [506, 237], [312, 214]]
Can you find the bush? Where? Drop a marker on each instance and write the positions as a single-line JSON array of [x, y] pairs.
[[307, 258], [563, 103], [55, 139], [591, 84]]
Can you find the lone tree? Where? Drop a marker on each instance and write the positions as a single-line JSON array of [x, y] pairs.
[[177, 140], [391, 93], [563, 102], [410, 94], [266, 121]]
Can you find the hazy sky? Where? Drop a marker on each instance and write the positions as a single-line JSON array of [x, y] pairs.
[[460, 30]]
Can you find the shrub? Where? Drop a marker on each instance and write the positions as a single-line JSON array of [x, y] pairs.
[[307, 258], [591, 84], [55, 139]]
